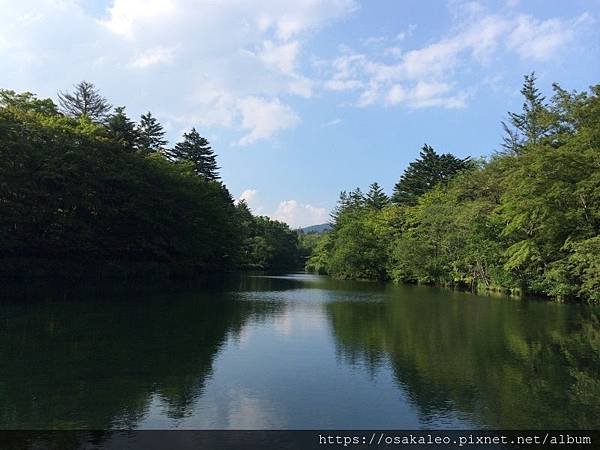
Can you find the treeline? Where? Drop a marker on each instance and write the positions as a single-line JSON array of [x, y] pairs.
[[526, 220], [86, 191]]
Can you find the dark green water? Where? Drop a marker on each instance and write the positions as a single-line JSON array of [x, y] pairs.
[[298, 351]]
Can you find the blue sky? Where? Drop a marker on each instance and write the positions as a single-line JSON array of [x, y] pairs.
[[303, 99]]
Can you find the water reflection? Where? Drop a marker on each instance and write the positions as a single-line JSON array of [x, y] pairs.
[[501, 363], [99, 364], [296, 351]]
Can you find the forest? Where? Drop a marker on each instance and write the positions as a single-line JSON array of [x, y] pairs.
[[85, 191], [525, 220]]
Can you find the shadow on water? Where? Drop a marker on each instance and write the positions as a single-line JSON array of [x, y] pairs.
[[97, 363], [502, 363]]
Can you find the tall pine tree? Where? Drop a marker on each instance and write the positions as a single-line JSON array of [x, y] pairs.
[[122, 129], [376, 198], [356, 199], [531, 124], [151, 137], [348, 202], [196, 149], [424, 173], [340, 207]]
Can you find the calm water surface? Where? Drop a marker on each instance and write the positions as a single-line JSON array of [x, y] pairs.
[[297, 351]]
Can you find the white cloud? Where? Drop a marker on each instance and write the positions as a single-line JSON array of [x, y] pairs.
[[301, 86], [235, 64], [406, 33], [290, 18], [262, 118], [395, 52], [298, 215], [426, 76], [432, 60], [333, 122], [128, 17], [250, 196], [425, 94], [216, 57], [397, 94], [218, 100], [373, 40], [427, 90], [542, 40], [153, 56], [342, 85], [281, 57], [381, 40], [369, 96], [284, 20], [295, 214]]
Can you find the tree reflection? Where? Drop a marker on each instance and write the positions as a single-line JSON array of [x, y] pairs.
[[501, 363], [99, 364]]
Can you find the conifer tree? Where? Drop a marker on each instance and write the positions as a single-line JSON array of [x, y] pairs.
[[376, 198], [356, 198], [151, 137], [346, 203], [424, 173], [84, 101], [122, 129], [531, 124], [341, 205], [197, 150]]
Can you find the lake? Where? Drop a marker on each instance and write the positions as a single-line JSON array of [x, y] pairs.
[[296, 351]]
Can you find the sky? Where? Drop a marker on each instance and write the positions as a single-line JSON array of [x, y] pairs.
[[303, 99]]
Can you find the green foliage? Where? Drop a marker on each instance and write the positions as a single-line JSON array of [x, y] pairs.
[[376, 198], [356, 246], [318, 261], [150, 134], [266, 244], [527, 220], [307, 243], [75, 199], [275, 245], [425, 173], [196, 150], [359, 251], [451, 235], [532, 123], [27, 101], [122, 129]]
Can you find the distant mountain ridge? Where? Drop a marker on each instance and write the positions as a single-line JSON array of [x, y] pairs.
[[316, 228]]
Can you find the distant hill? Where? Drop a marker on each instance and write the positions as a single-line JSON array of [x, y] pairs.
[[317, 228]]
